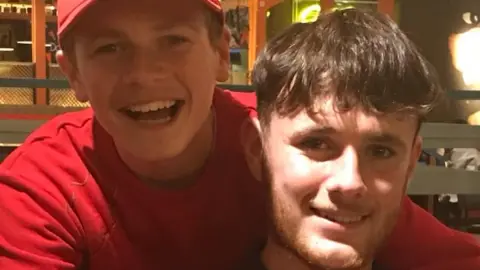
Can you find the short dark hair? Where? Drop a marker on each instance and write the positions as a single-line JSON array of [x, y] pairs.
[[359, 58]]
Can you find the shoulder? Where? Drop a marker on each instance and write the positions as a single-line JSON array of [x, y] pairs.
[[419, 239], [46, 197], [52, 176], [466, 263], [56, 137], [46, 230], [50, 158], [242, 101]]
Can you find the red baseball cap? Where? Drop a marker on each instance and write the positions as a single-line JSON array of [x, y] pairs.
[[69, 10]]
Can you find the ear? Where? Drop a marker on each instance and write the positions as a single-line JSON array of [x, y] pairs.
[[223, 50], [70, 70], [415, 155], [252, 146]]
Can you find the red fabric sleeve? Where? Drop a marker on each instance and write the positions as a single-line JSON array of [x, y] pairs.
[[447, 264], [420, 241], [37, 227]]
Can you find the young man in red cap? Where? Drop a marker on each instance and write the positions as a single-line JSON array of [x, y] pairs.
[[153, 176]]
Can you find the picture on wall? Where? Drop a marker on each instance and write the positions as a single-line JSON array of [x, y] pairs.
[[237, 22]]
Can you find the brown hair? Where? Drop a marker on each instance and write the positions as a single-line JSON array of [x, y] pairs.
[[361, 59]]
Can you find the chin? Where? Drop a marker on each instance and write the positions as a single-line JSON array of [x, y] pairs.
[[156, 153], [329, 254]]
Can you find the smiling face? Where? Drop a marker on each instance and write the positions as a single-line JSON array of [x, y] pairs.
[[337, 181], [149, 71]]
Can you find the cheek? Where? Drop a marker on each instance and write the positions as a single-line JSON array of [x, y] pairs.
[[200, 92], [291, 172], [389, 188], [195, 74], [197, 67], [94, 78]]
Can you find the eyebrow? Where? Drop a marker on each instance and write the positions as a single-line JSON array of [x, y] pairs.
[[373, 137], [113, 33], [106, 34], [324, 130], [167, 26]]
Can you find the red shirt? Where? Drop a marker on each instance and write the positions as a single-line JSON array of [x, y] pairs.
[[71, 201], [67, 201]]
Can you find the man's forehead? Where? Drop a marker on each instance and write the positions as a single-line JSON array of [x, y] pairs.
[[352, 126], [162, 10], [157, 19], [354, 120]]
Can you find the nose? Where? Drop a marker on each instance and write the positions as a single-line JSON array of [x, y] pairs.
[[346, 179], [147, 66]]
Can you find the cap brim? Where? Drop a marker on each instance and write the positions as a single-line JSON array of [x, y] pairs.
[[76, 12], [214, 5]]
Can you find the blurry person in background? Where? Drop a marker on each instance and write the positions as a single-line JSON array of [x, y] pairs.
[[464, 159]]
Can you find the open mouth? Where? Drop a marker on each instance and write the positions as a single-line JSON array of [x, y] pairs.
[[157, 111]]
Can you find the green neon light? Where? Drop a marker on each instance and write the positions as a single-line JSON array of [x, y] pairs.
[[343, 7], [309, 13]]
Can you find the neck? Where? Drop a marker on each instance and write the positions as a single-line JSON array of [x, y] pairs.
[[277, 257], [183, 169]]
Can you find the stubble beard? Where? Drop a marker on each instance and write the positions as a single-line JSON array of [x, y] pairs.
[[284, 231]]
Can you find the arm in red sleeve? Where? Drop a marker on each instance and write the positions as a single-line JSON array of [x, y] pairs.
[[465, 263], [420, 241], [38, 229]]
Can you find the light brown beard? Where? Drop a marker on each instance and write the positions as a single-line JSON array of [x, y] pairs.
[[283, 231]]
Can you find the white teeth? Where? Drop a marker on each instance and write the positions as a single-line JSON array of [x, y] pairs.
[[343, 219], [152, 106]]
